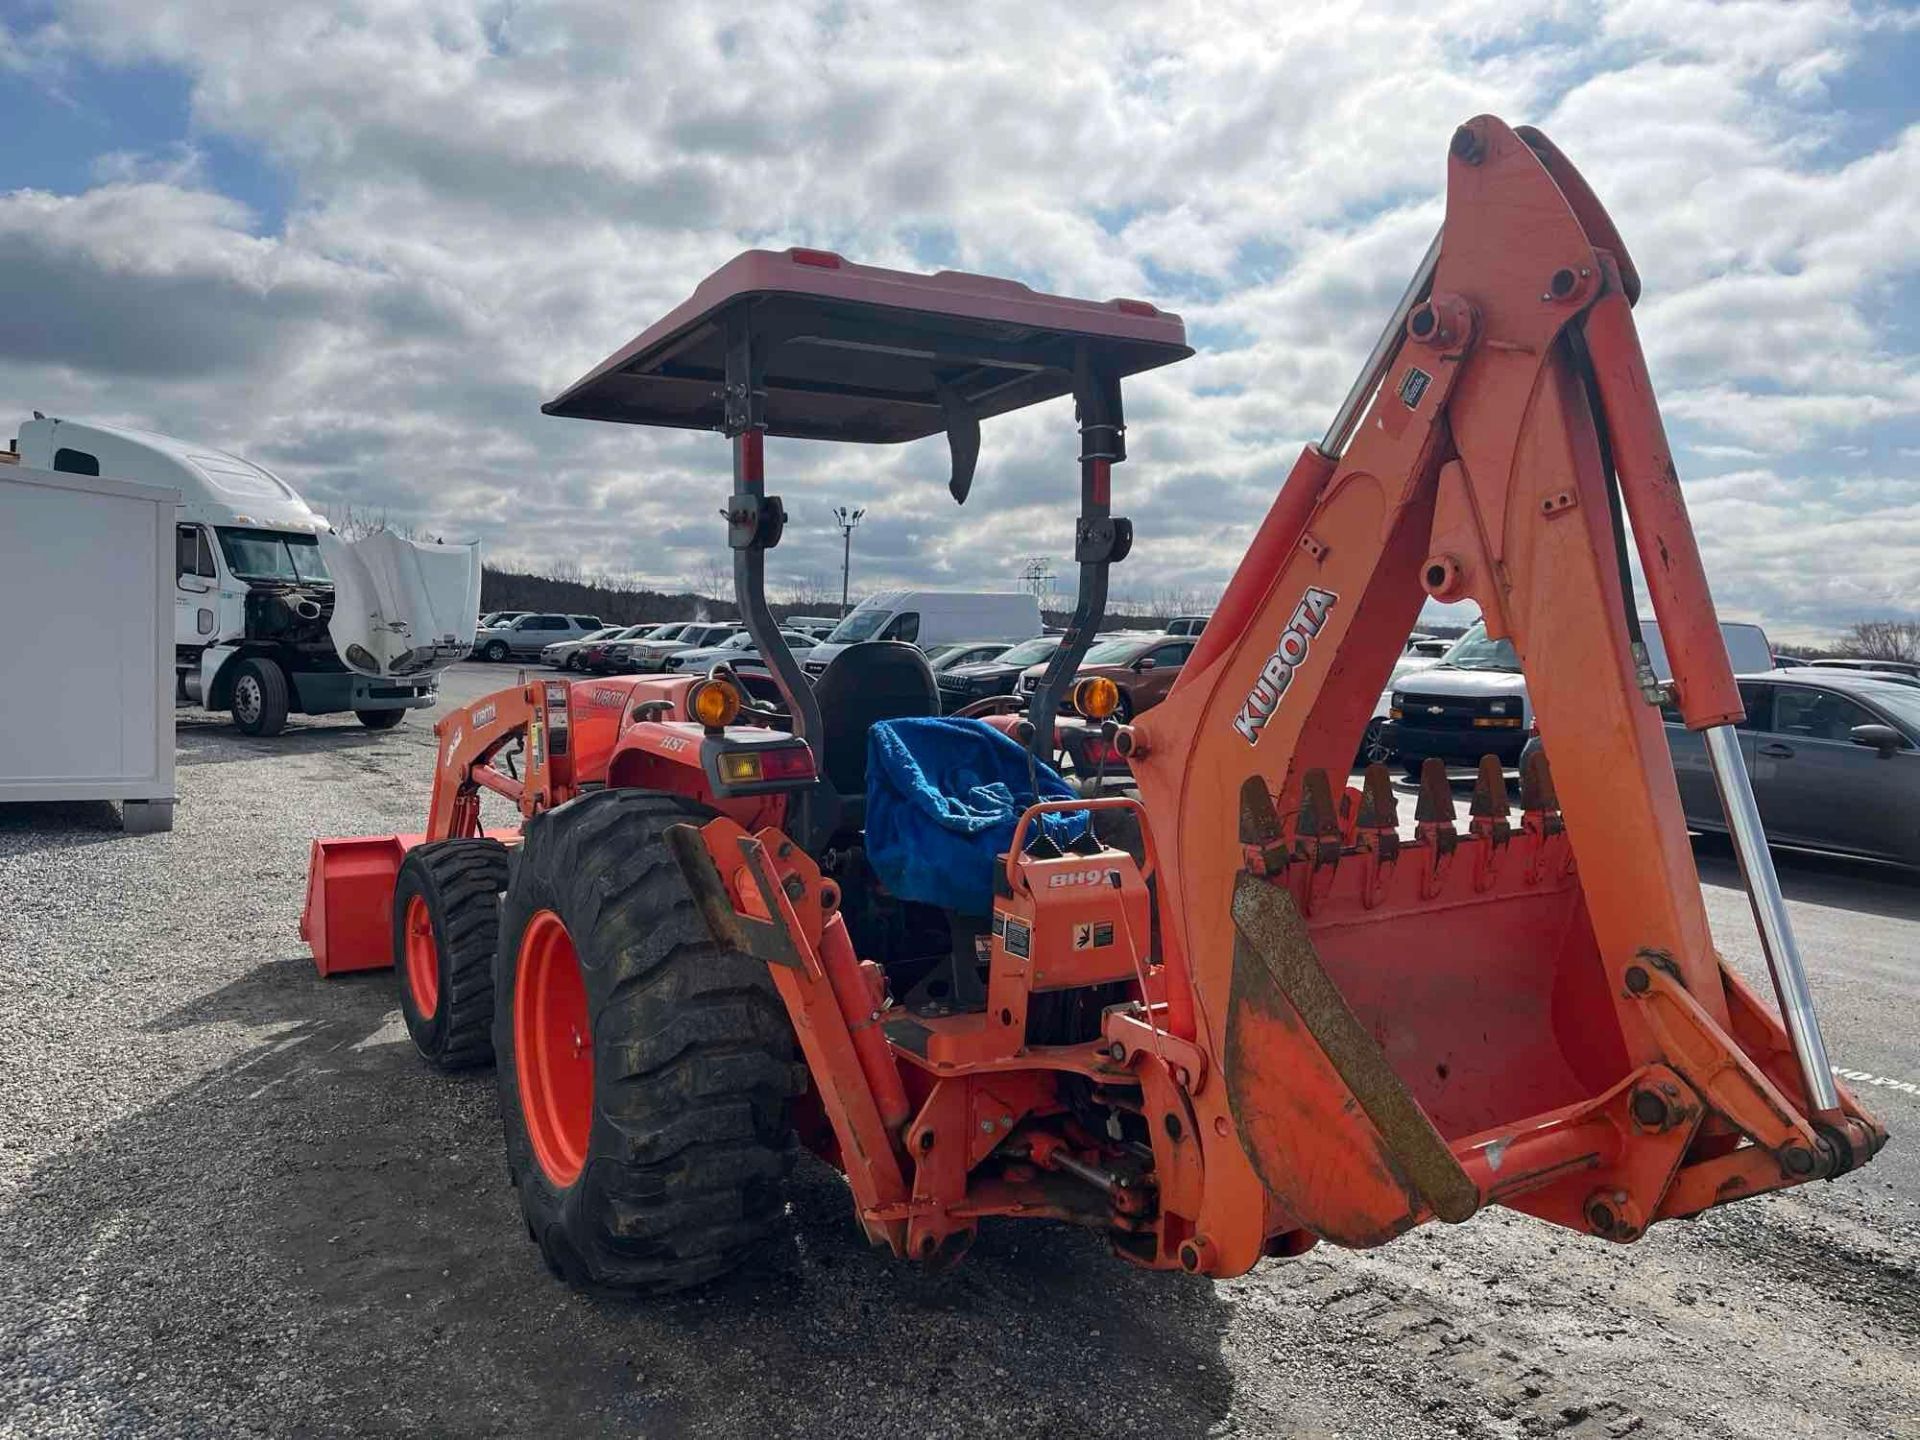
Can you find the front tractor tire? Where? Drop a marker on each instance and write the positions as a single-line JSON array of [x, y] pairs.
[[446, 930], [645, 1072]]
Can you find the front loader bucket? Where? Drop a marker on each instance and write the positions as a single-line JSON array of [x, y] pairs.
[[348, 922]]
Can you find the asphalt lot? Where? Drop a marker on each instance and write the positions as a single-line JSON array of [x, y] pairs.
[[233, 1202]]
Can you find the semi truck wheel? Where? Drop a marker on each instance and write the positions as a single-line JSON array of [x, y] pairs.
[[645, 1072], [446, 928], [259, 702], [380, 719]]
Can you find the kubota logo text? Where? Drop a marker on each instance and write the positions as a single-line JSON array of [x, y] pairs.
[[1289, 655]]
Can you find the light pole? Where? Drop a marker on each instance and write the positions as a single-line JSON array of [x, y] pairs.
[[846, 519]]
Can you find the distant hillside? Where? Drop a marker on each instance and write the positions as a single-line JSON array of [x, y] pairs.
[[617, 605]]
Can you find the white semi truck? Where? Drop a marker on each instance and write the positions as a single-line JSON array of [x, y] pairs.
[[273, 613]]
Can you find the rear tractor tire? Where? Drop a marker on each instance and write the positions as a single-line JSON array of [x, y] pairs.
[[446, 931], [645, 1072]]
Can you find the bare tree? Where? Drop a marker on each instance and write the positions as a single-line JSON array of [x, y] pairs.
[[712, 579], [810, 592], [351, 524], [1884, 639]]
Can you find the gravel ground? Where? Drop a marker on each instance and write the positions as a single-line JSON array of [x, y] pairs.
[[232, 1202]]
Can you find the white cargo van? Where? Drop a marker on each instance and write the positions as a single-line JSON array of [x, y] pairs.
[[274, 614], [931, 617]]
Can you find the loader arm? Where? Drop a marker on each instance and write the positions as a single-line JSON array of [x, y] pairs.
[[1532, 1015]]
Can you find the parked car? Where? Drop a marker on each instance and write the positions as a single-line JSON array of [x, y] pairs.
[[737, 649], [1188, 625], [617, 655], [530, 634], [649, 656], [1143, 666], [1834, 756], [955, 653], [964, 684], [565, 654], [1910, 668], [595, 657], [931, 617], [498, 617], [1474, 701]]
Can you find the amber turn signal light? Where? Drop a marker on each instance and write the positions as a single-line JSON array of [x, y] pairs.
[[1096, 697], [714, 703]]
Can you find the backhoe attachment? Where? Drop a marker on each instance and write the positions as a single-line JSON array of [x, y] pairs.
[[1530, 1014]]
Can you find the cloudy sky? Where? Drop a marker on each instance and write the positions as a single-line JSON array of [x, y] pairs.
[[361, 242]]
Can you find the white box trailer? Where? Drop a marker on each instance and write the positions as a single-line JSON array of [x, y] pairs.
[[87, 664]]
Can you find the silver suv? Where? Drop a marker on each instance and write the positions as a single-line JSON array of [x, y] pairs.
[[531, 634]]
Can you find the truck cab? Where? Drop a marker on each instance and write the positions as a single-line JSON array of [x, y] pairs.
[[273, 614]]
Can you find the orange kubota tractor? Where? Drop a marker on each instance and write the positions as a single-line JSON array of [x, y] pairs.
[[1274, 1016]]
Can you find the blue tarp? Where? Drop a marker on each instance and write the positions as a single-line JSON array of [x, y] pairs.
[[943, 797]]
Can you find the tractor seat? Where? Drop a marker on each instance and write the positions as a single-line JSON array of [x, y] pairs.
[[864, 684]]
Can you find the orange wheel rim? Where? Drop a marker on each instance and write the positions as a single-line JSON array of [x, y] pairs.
[[423, 958], [553, 1048]]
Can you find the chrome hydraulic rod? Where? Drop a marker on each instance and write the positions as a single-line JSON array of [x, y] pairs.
[[1770, 915], [1334, 443]]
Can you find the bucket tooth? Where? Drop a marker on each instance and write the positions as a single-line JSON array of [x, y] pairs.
[[1260, 828], [1536, 783], [1378, 824], [1489, 790], [1317, 836], [1259, 820], [1435, 805], [1433, 825], [1319, 815], [1540, 818], [1378, 810], [1491, 826]]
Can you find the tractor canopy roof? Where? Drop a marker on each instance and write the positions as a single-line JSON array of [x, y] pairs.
[[858, 353]]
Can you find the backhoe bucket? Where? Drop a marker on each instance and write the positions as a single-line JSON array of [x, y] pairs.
[[348, 922], [1422, 1028]]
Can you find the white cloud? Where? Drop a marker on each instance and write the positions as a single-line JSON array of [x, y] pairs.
[[488, 198]]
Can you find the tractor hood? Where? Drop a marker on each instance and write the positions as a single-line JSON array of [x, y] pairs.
[[402, 607]]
